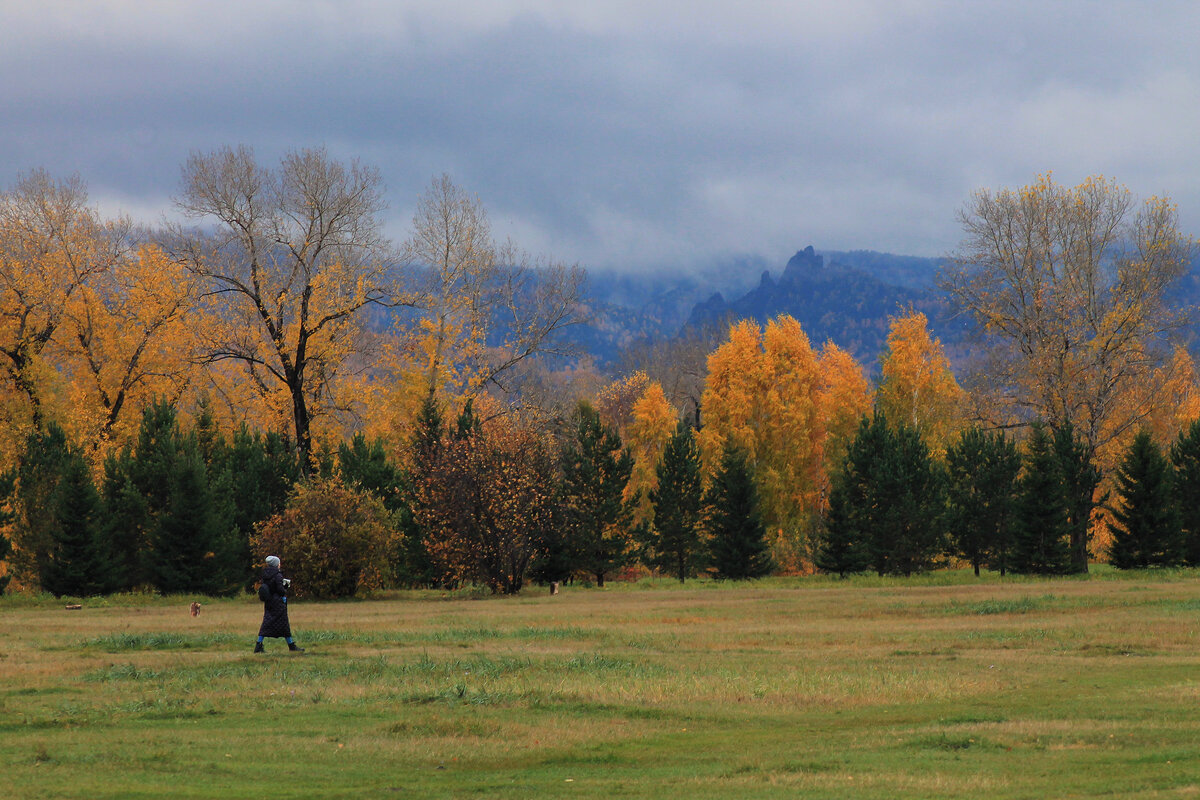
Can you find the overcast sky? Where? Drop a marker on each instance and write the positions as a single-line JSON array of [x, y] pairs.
[[629, 134]]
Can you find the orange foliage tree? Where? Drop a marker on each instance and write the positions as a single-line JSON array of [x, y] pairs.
[[843, 399], [333, 539], [487, 503], [652, 426], [129, 342]]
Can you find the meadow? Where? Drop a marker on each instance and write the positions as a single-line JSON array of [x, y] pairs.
[[937, 686]]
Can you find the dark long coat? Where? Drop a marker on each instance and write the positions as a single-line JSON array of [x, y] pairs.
[[275, 618]]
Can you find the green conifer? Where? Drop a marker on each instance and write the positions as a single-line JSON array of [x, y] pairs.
[[1185, 458], [1042, 525], [1146, 532], [737, 535], [674, 544], [597, 519], [982, 470]]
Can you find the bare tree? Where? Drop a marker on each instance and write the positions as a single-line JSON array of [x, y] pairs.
[[488, 307], [295, 256], [1070, 287]]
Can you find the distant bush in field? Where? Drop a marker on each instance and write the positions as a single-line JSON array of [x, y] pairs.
[[332, 540]]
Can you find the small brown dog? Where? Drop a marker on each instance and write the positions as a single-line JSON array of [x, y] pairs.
[[195, 607]]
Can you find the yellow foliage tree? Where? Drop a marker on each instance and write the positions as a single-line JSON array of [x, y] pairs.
[[917, 386], [843, 398], [297, 255], [52, 245], [615, 402], [762, 395], [1072, 286], [129, 341], [484, 308], [653, 424]]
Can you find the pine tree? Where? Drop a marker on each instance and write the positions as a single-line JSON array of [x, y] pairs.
[[1185, 457], [1147, 532], [1042, 526], [982, 471], [737, 536], [79, 564], [596, 469], [675, 544]]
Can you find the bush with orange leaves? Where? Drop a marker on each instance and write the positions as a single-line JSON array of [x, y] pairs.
[[332, 540]]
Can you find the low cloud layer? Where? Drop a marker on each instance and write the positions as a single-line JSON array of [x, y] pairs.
[[631, 135]]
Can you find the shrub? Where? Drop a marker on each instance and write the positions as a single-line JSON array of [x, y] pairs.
[[332, 540]]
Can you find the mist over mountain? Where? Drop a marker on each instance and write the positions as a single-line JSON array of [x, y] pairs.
[[846, 297]]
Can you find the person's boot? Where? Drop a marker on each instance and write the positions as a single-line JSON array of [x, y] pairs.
[[295, 648], [258, 648]]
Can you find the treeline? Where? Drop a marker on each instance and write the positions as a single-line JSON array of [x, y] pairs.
[[896, 509], [489, 502], [176, 404]]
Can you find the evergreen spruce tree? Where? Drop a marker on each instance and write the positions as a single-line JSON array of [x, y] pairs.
[[674, 544], [186, 540], [1147, 532], [888, 503], [842, 547], [982, 470], [1185, 458], [847, 539], [181, 513], [738, 543], [38, 472], [1080, 478], [1042, 526], [8, 482], [126, 522], [366, 466], [596, 469], [910, 493], [79, 563], [412, 565]]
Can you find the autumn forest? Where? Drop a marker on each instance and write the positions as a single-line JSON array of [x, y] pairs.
[[272, 374]]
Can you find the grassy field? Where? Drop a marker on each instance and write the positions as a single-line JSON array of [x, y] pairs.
[[942, 686]]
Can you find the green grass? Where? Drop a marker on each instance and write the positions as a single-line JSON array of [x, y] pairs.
[[938, 686]]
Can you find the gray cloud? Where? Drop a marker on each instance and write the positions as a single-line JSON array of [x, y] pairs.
[[628, 135]]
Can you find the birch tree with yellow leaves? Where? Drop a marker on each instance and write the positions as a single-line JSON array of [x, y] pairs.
[[129, 340], [762, 397], [486, 307], [917, 388]]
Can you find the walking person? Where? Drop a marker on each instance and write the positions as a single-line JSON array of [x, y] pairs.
[[273, 593]]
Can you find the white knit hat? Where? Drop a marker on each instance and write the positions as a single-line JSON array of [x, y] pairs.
[[273, 560]]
